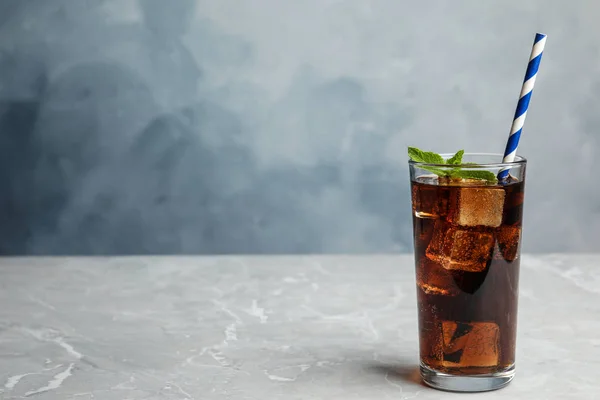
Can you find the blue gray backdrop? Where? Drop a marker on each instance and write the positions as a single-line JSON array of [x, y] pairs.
[[267, 126]]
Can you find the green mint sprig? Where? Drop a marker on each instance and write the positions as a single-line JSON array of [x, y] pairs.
[[429, 157]]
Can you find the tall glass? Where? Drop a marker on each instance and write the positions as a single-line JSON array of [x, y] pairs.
[[467, 236]]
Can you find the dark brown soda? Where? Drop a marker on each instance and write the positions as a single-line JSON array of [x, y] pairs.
[[467, 317]]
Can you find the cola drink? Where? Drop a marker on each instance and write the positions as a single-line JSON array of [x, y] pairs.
[[467, 236]]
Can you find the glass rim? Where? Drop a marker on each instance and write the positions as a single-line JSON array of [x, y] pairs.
[[519, 160]]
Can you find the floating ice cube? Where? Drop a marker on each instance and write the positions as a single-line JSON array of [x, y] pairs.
[[474, 344], [427, 200], [457, 248], [432, 278], [509, 237], [477, 206]]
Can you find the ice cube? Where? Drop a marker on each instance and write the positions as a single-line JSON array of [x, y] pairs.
[[446, 181], [427, 200], [477, 206], [457, 248], [509, 237], [432, 278], [474, 344], [454, 339]]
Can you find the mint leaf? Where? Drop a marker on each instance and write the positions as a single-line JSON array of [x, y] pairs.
[[456, 159], [473, 174], [427, 157]]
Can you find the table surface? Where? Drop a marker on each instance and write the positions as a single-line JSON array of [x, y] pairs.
[[331, 327]]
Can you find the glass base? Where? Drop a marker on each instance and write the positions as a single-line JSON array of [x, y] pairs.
[[466, 383]]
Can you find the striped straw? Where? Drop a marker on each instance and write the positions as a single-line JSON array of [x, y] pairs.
[[517, 126]]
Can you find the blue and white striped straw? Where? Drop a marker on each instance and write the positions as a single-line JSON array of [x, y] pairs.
[[517, 126]]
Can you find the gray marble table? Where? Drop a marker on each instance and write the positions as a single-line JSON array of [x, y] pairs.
[[332, 327]]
